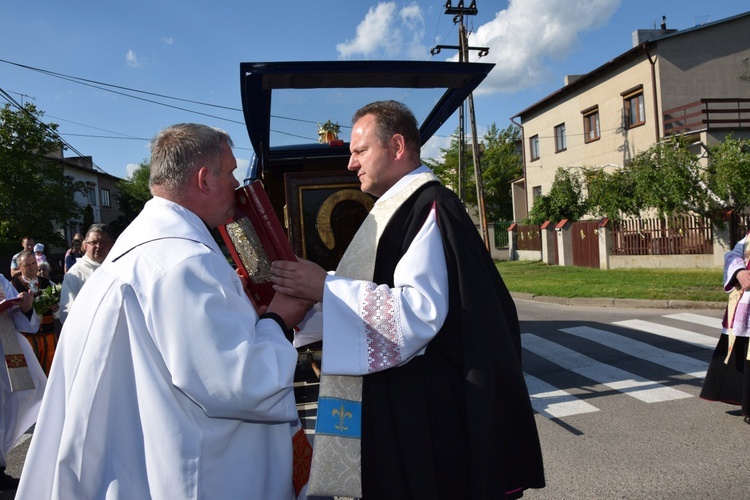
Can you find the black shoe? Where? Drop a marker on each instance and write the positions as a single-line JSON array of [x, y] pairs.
[[8, 482], [747, 419]]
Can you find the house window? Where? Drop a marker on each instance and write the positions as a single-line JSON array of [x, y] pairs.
[[536, 192], [634, 109], [106, 198], [92, 196], [591, 125], [534, 147], [561, 143]]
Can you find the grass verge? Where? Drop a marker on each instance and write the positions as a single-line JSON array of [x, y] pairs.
[[656, 284]]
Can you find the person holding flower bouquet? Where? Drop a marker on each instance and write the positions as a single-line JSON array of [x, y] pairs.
[[46, 303]]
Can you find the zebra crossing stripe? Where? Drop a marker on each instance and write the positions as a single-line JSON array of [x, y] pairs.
[[628, 383], [552, 402], [635, 348], [697, 319], [669, 332]]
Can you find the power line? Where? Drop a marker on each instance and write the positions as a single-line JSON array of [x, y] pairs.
[[91, 136], [49, 129], [102, 86], [107, 87], [107, 137], [93, 83], [124, 136]]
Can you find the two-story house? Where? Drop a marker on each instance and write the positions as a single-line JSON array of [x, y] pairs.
[[694, 82], [101, 193]]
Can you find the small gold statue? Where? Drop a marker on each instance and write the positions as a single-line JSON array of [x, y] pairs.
[[328, 132]]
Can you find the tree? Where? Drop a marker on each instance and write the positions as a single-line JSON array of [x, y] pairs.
[[88, 217], [501, 162], [564, 201], [668, 178], [446, 168], [729, 173], [611, 194], [133, 194], [35, 195]]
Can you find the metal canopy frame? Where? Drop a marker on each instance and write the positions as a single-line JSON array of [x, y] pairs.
[[258, 80]]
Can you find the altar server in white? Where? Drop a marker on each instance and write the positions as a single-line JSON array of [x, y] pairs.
[[167, 384], [22, 379]]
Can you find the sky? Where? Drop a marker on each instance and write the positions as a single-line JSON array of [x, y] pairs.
[[112, 74]]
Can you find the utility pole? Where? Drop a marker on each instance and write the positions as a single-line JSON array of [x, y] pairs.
[[458, 14]]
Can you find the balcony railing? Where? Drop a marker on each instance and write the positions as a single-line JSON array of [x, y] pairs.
[[707, 114]]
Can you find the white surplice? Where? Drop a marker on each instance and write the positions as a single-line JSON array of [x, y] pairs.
[[407, 316], [20, 408], [73, 282], [166, 385]]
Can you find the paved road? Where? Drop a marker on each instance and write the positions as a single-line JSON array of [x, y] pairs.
[[615, 393], [616, 396]]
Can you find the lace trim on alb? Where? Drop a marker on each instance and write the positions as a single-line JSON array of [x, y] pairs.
[[380, 315]]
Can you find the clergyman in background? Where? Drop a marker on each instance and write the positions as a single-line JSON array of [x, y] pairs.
[[97, 244]]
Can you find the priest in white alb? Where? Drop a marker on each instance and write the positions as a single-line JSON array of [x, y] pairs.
[[166, 383]]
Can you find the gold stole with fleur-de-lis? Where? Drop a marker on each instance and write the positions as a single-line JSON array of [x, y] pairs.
[[337, 459]]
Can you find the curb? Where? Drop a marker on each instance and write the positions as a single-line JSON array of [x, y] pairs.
[[612, 302]]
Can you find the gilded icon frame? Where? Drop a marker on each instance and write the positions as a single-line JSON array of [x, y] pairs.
[[322, 214]]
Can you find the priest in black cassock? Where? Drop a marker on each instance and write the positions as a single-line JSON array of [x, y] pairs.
[[422, 393]]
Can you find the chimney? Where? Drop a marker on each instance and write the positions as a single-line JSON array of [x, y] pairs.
[[571, 78]]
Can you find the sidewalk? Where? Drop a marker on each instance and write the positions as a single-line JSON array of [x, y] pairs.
[[626, 303]]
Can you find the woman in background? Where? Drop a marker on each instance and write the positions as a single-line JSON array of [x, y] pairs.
[[728, 377]]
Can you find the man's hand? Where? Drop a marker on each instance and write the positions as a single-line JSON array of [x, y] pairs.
[[291, 310], [27, 301], [302, 279], [743, 278]]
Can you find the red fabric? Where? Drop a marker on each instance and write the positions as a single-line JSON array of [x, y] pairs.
[[302, 453]]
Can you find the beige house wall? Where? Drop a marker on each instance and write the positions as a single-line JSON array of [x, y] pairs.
[[616, 145], [704, 62]]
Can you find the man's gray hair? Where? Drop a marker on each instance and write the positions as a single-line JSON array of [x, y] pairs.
[[23, 255], [99, 228], [177, 152]]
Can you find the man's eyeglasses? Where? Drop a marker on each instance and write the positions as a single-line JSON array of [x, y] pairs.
[[99, 243]]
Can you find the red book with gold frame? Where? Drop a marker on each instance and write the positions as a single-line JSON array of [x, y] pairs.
[[255, 238]]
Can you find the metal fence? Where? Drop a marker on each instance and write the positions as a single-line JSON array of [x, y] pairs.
[[501, 233], [686, 235]]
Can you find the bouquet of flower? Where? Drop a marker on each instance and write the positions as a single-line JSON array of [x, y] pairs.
[[46, 298]]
